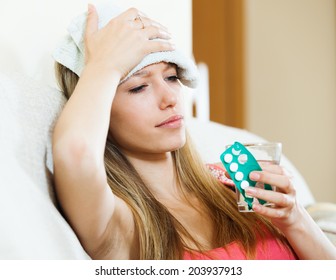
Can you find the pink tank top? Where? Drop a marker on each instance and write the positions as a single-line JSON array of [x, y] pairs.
[[270, 249]]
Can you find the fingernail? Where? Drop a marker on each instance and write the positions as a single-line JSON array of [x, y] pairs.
[[256, 207], [90, 8], [250, 190], [165, 34], [254, 176]]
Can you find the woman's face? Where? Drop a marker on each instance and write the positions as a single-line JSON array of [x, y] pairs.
[[147, 112]]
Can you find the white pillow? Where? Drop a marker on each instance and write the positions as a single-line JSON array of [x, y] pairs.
[[31, 225]]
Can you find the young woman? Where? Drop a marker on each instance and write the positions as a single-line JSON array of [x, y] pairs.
[[127, 177]]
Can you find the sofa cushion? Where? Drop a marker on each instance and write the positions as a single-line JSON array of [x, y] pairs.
[[324, 214]]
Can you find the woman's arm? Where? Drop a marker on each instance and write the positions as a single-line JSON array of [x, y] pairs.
[[308, 240], [80, 133], [304, 235], [78, 150]]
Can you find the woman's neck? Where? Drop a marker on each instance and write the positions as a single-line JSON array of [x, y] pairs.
[[158, 172]]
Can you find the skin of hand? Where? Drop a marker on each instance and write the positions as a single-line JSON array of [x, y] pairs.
[[284, 198], [284, 213], [111, 46]]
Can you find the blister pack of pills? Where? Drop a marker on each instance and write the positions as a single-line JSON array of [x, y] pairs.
[[239, 163]]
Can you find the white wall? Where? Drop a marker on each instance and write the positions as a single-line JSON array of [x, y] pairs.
[[291, 83], [30, 29]]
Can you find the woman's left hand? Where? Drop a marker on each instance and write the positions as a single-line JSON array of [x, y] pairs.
[[286, 211]]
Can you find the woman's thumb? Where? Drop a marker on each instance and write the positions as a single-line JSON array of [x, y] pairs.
[[92, 20]]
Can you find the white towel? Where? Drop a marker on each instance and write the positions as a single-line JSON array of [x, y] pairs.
[[70, 51]]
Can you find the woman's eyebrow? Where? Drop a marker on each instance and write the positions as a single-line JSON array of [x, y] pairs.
[[169, 66], [141, 73], [144, 73]]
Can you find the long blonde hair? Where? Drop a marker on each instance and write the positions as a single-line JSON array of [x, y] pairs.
[[161, 236]]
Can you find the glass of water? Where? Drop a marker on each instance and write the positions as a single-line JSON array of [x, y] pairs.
[[264, 152]]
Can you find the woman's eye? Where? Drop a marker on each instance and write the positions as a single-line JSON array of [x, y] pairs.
[[173, 78], [137, 89]]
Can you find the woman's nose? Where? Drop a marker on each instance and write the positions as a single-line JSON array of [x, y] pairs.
[[168, 97]]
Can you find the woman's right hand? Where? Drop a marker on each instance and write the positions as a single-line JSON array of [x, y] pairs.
[[123, 42]]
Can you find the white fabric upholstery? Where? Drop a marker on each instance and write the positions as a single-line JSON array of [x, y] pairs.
[[31, 225]]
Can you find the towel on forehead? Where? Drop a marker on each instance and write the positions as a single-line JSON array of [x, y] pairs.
[[70, 51]]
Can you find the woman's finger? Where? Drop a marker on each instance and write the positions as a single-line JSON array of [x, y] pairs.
[[159, 46], [278, 213], [130, 14], [282, 182], [279, 199], [92, 21], [154, 32], [140, 19], [149, 22], [273, 168]]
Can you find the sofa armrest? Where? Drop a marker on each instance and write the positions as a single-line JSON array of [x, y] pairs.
[[324, 214]]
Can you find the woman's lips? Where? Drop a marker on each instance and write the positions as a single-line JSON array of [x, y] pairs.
[[172, 122]]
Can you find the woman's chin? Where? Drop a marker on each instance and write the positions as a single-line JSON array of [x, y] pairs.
[[173, 146]]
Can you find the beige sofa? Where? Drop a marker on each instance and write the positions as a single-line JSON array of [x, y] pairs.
[[31, 225]]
